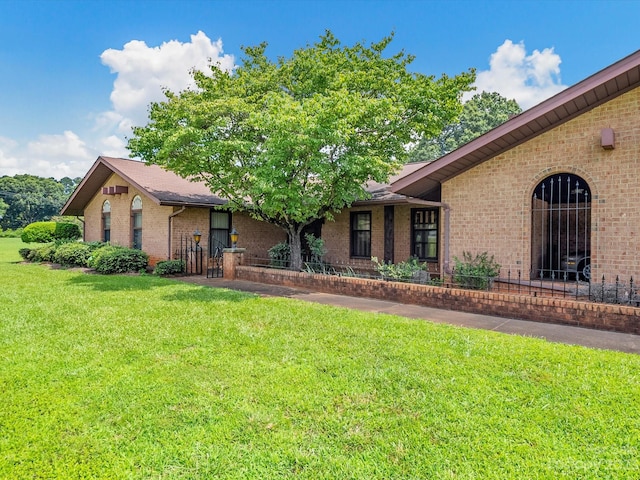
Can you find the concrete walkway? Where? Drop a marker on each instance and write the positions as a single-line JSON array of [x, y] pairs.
[[554, 333]]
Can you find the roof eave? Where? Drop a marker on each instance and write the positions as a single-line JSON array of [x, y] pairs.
[[512, 133]]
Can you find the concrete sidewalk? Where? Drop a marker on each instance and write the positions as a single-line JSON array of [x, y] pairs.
[[554, 333]]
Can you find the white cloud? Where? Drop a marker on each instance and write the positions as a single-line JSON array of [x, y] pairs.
[[143, 71], [51, 146], [9, 163], [65, 155], [529, 79]]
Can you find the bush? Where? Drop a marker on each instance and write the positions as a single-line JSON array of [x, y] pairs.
[[73, 254], [95, 245], [110, 259], [94, 259], [410, 270], [476, 273], [317, 251], [280, 255], [17, 233], [169, 267], [24, 253], [67, 231], [45, 232], [39, 232], [44, 253]]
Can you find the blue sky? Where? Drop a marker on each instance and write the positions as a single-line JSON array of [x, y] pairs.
[[75, 75]]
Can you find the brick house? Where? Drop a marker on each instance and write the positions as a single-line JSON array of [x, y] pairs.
[[558, 183], [144, 206], [554, 185], [131, 204]]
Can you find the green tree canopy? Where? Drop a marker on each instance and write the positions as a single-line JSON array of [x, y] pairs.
[[294, 140], [483, 112], [70, 184], [30, 199]]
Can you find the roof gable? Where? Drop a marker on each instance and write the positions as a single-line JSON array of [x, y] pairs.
[[597, 89], [161, 186]]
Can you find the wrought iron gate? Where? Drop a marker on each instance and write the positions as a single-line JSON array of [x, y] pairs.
[[192, 256]]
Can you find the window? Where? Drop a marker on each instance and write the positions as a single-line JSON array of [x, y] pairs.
[[136, 222], [361, 234], [220, 228], [106, 221], [424, 233], [561, 228]]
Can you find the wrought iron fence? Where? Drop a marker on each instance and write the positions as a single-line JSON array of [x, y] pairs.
[[214, 264], [603, 291], [192, 256]]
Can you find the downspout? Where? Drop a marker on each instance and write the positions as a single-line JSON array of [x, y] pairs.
[[170, 230], [84, 230]]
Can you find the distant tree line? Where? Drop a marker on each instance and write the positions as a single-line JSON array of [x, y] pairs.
[[25, 199]]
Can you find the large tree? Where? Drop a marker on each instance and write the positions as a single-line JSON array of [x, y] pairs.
[[480, 114], [30, 198], [295, 140]]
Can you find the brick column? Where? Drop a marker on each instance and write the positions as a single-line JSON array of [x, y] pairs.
[[231, 258]]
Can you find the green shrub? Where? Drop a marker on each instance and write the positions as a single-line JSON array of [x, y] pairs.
[[280, 255], [110, 259], [17, 233], [72, 254], [24, 253], [66, 230], [93, 246], [39, 232], [94, 259], [169, 267], [45, 232], [409, 270], [476, 273], [43, 253]]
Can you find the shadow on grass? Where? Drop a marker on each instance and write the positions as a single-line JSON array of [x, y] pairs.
[[207, 294], [176, 290], [110, 283]]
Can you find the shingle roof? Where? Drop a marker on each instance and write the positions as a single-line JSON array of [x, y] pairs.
[[382, 194], [162, 186], [601, 87], [167, 188]]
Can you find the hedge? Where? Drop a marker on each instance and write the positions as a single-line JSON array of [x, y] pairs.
[[45, 232]]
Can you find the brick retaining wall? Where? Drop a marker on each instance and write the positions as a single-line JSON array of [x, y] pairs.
[[620, 318]]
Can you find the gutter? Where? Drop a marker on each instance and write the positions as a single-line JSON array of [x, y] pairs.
[[170, 230], [84, 230]]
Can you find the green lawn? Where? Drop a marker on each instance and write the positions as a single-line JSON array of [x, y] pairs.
[[141, 377]]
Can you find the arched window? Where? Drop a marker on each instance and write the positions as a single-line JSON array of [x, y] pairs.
[[136, 222], [106, 221], [561, 228]]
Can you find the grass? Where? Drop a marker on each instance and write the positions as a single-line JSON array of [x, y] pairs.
[[142, 377]]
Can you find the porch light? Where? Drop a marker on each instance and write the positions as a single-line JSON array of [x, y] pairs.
[[197, 236], [234, 237]]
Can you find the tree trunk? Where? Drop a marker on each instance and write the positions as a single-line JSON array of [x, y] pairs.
[[296, 250]]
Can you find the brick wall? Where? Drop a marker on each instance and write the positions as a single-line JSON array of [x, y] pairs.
[[336, 235], [256, 236], [491, 203], [562, 311], [154, 220]]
